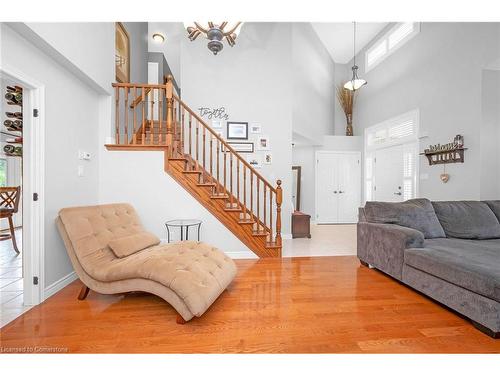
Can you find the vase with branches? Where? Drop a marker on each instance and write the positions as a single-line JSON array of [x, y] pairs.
[[346, 100]]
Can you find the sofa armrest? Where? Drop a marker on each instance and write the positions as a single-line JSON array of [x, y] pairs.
[[383, 245]]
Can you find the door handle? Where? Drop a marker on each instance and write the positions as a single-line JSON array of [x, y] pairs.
[[335, 192], [341, 192], [398, 193]]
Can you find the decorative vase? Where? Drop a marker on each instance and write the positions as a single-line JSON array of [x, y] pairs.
[[348, 129]]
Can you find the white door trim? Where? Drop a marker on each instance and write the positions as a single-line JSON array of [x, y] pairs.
[[33, 182], [316, 195]]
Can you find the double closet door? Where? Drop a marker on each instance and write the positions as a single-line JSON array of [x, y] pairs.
[[338, 187]]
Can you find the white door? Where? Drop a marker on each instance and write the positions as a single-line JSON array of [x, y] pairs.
[[338, 187], [349, 184], [389, 174], [395, 173], [326, 188]]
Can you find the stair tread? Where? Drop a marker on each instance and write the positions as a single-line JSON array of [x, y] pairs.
[[206, 184], [246, 221], [192, 172], [220, 196], [259, 234], [272, 245], [233, 209]]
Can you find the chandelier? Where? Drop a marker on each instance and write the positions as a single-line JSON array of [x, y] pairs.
[[215, 33], [355, 82]]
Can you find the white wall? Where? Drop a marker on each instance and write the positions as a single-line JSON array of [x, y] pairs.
[[439, 72], [313, 77], [138, 36], [138, 178], [174, 34], [71, 124], [87, 49], [490, 135], [253, 82]]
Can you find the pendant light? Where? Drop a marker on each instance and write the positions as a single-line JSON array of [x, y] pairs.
[[355, 83]]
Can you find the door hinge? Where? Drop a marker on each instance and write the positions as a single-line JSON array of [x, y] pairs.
[[374, 160], [35, 112], [35, 196], [35, 280], [374, 188]]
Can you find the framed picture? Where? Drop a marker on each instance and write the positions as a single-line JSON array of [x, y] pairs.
[[255, 128], [237, 130], [241, 147], [263, 143], [216, 124], [255, 160], [122, 53], [268, 158]]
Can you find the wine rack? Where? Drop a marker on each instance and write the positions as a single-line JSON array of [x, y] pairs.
[[13, 122]]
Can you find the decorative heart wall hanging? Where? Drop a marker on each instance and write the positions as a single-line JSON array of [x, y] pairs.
[[444, 177]]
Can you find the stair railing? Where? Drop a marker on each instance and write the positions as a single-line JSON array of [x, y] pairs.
[[154, 116]]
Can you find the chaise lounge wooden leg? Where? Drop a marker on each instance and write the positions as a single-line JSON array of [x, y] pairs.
[[180, 319], [83, 293]]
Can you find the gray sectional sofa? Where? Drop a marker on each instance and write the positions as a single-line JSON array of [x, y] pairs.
[[449, 251]]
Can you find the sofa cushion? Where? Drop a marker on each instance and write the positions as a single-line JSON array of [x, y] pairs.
[[467, 219], [495, 207], [125, 246], [414, 213], [471, 264]]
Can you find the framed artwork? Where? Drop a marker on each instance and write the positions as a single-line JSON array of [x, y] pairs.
[[255, 160], [241, 147], [268, 158], [237, 130], [255, 128], [216, 124], [122, 53], [263, 143]]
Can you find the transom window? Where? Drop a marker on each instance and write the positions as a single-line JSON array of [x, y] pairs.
[[397, 36]]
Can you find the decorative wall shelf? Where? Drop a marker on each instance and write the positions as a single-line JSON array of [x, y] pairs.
[[445, 157]]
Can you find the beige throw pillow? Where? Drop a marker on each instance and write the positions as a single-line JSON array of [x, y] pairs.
[[125, 246]]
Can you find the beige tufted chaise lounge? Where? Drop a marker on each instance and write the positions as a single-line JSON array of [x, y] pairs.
[[188, 275]]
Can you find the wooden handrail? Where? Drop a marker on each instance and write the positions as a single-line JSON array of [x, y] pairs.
[[138, 99], [157, 119], [223, 142]]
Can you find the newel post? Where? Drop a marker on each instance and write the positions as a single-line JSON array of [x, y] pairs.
[[170, 114], [279, 200]]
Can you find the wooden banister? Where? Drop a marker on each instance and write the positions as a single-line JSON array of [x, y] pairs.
[[150, 116], [138, 99], [225, 145]]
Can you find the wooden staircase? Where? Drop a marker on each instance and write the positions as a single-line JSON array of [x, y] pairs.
[[152, 117]]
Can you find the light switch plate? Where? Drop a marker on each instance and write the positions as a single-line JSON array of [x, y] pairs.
[[81, 171], [83, 155]]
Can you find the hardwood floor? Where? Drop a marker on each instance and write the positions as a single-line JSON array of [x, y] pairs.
[[288, 305]]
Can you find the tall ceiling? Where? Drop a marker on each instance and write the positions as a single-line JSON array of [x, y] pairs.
[[338, 37]]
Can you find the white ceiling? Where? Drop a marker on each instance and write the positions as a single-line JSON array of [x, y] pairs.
[[338, 37]]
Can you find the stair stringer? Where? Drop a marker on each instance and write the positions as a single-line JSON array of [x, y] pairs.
[[176, 168]]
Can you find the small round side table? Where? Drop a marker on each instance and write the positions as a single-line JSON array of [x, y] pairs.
[[183, 224]]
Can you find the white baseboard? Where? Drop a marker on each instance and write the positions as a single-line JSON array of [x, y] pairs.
[[286, 236], [240, 254], [59, 284]]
